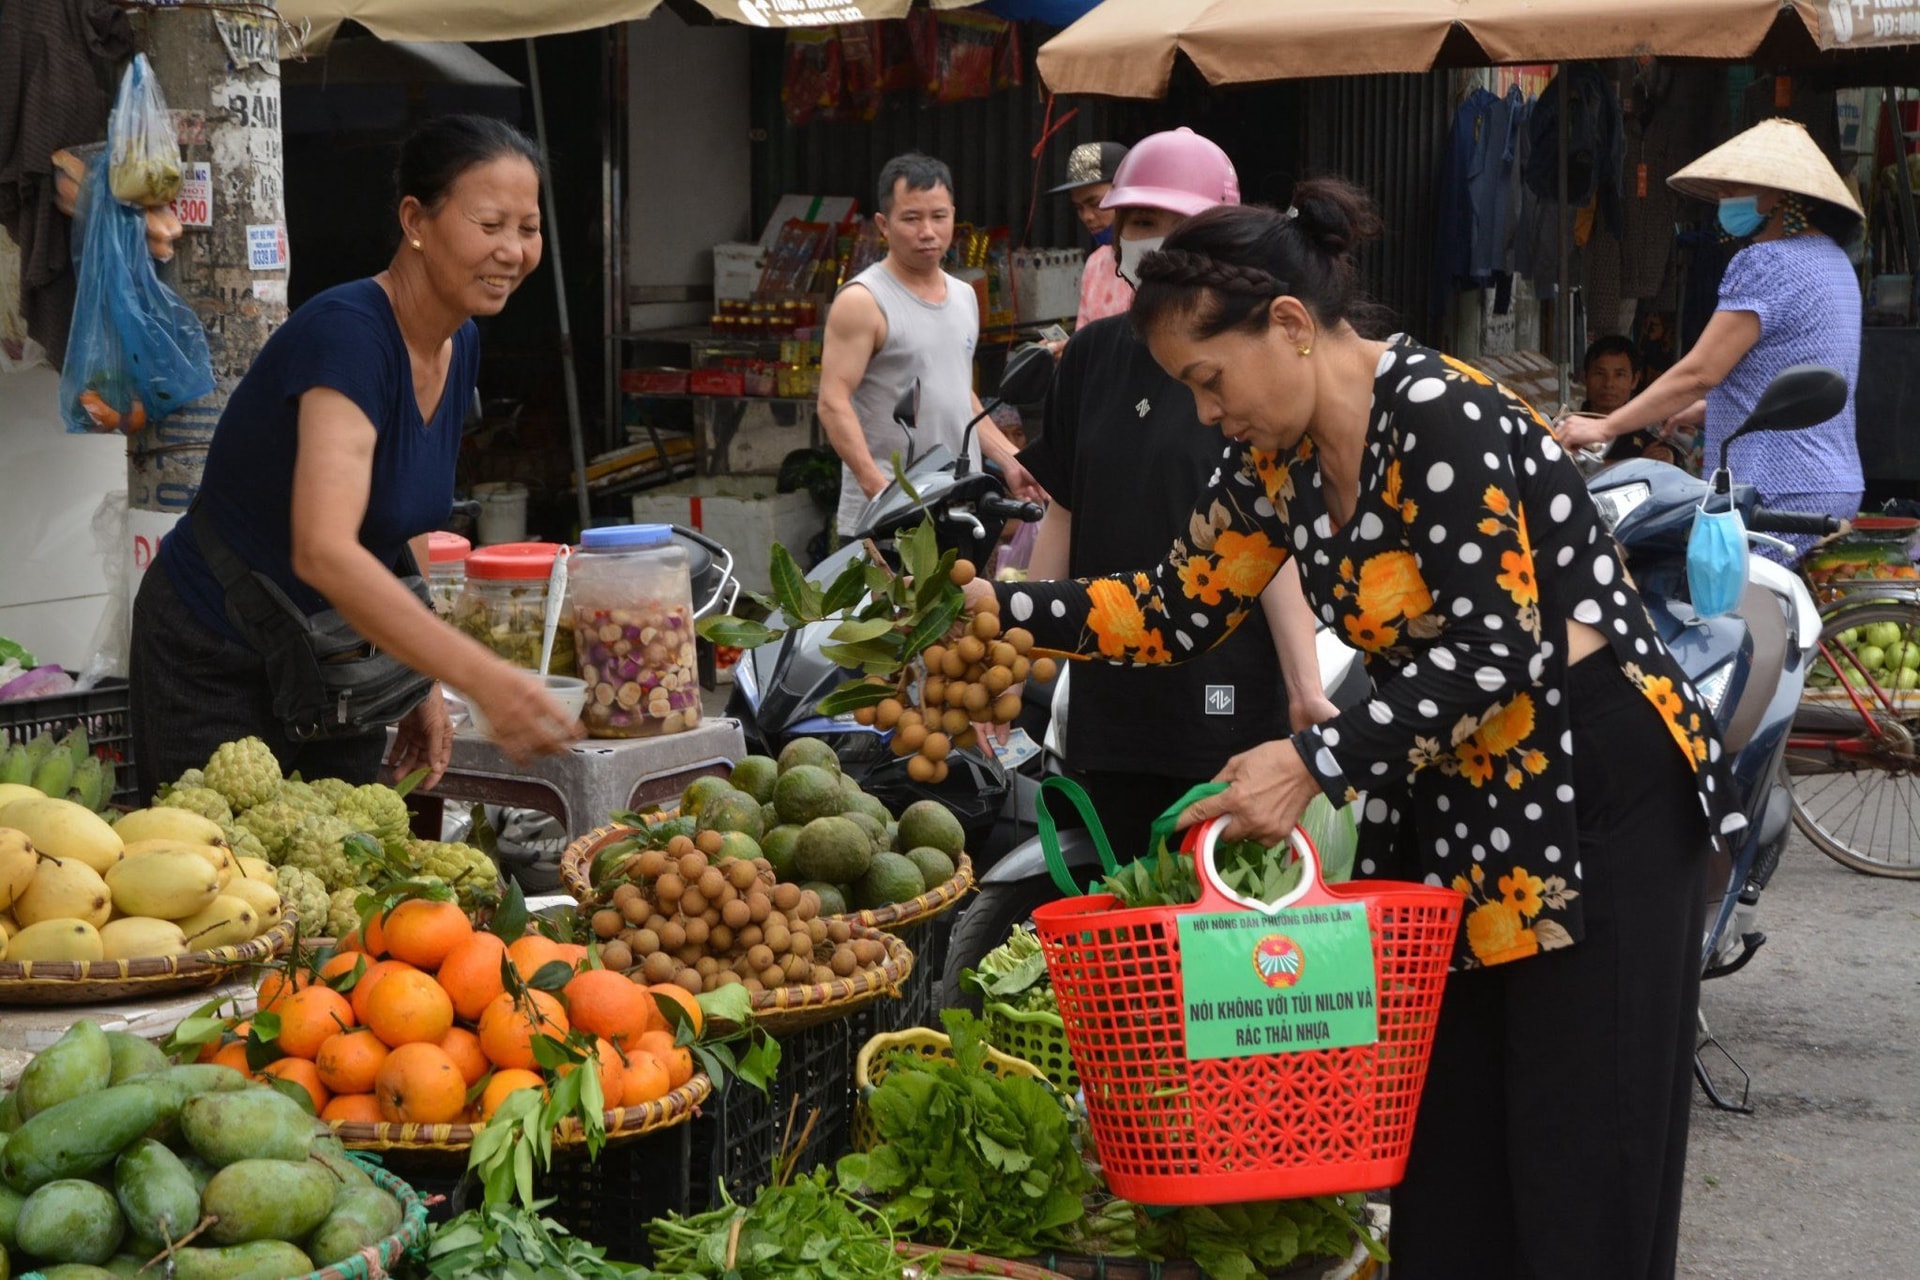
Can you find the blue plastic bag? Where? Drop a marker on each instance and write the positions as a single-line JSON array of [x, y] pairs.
[[135, 352]]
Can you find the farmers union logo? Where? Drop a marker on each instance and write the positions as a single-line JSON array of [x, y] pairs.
[[1278, 960]]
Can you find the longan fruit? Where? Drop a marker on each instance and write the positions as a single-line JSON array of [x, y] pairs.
[[962, 573], [997, 680], [777, 937], [655, 922], [953, 666], [1021, 639], [967, 739], [694, 864], [921, 769], [773, 977], [934, 691], [786, 896], [800, 944], [868, 951], [839, 931], [1044, 669], [653, 863], [668, 888], [690, 981], [760, 957], [956, 695], [911, 716], [843, 962], [798, 969], [899, 746], [986, 625], [713, 881], [741, 873], [693, 902], [616, 955], [607, 923], [821, 975], [644, 943], [816, 930], [759, 905], [658, 967], [624, 894], [673, 935], [939, 773], [977, 698], [971, 648], [725, 978], [680, 846], [689, 956], [697, 931], [710, 917], [706, 966], [865, 716], [1006, 708], [989, 604], [747, 938], [936, 747], [1021, 666], [736, 914], [720, 939], [637, 911], [809, 905], [1002, 654], [707, 842], [955, 722], [933, 656]]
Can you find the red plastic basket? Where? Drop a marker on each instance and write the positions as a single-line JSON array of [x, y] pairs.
[[1171, 1130]]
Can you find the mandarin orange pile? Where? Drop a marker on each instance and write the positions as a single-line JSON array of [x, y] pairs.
[[429, 1024]]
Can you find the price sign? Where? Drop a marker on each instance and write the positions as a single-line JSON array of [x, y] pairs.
[[1297, 980], [267, 247], [194, 205]]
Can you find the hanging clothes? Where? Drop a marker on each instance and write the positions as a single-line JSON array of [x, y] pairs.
[[1667, 125], [1472, 221], [1596, 143]]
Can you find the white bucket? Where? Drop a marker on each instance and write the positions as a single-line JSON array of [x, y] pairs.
[[503, 512]]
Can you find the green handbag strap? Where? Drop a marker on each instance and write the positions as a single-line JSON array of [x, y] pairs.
[[1162, 829], [1077, 796]]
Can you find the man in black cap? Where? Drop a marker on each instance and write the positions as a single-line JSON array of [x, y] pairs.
[[1090, 170]]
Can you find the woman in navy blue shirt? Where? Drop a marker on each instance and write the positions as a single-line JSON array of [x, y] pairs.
[[335, 455]]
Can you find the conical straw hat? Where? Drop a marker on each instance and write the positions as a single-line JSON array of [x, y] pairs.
[[1774, 153]]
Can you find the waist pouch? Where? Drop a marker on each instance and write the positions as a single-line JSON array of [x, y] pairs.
[[327, 680]]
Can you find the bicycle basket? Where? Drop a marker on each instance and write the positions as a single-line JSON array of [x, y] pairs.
[[1188, 1123]]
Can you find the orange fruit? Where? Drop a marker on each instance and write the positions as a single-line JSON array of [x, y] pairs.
[[363, 989], [275, 988], [684, 998], [572, 952], [463, 1046], [409, 1007], [471, 974], [677, 1061], [235, 1055], [418, 1084], [531, 952], [373, 938], [350, 1061], [354, 1106], [304, 1074], [340, 964], [607, 1062], [607, 1004], [423, 932], [504, 1084], [507, 1029], [309, 1017], [646, 1080]]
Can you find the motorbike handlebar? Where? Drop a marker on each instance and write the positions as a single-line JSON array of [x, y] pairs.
[[1011, 509], [1765, 521]]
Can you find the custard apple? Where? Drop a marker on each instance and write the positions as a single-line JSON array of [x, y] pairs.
[[343, 910], [469, 871], [244, 843], [245, 772], [303, 797], [377, 810], [191, 778], [316, 845], [273, 824], [332, 790], [205, 801], [305, 893]]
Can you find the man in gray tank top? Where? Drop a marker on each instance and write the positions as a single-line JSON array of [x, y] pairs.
[[900, 319]]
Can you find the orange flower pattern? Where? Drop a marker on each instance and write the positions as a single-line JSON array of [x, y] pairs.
[[1436, 576]]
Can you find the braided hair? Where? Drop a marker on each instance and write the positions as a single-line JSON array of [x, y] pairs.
[[1221, 269]]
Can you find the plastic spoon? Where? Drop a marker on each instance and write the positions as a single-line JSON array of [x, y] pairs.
[[556, 602]]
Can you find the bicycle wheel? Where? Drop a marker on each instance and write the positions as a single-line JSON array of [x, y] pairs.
[[1854, 751]]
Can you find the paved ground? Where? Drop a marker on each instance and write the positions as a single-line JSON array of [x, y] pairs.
[[1823, 1180]]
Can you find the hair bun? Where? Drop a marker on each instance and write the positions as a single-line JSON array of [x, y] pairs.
[[1335, 216]]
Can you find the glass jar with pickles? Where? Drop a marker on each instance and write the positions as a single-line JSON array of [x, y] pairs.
[[632, 606], [446, 570], [504, 605]]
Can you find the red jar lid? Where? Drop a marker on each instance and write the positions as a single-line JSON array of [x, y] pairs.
[[514, 561], [447, 548]]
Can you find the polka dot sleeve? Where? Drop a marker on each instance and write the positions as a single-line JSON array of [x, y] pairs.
[[1458, 584]]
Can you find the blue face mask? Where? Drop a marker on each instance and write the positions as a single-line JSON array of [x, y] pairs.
[[1740, 216], [1103, 236], [1716, 557]]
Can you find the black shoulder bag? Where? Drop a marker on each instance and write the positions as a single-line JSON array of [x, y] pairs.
[[327, 680]]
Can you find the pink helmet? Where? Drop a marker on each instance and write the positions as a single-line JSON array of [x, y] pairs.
[[1178, 170]]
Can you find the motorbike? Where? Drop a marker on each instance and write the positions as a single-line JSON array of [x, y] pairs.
[[778, 686]]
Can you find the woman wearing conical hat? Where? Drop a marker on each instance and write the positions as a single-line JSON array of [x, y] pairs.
[[1789, 297]]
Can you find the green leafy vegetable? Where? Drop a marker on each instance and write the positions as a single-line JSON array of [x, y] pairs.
[[1013, 973], [1246, 1241], [513, 1242], [1166, 878], [805, 1229]]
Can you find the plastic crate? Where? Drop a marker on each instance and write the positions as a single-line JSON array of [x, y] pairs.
[[1036, 1037], [105, 711], [607, 1202], [739, 1130]]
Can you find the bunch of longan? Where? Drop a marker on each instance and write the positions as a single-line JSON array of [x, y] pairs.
[[678, 916], [968, 680]]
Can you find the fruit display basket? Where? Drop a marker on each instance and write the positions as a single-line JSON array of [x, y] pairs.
[[1034, 1036], [676, 1108], [795, 1008], [384, 1258], [1878, 550], [92, 982], [870, 1068]]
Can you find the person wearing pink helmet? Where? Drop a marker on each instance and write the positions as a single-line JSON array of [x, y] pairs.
[[1125, 464]]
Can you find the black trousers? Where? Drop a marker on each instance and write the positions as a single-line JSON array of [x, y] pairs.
[[1552, 1137], [194, 689]]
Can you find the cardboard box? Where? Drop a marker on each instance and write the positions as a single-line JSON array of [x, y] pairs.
[[834, 209], [744, 514], [736, 271]]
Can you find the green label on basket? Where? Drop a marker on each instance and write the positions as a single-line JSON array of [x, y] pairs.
[[1298, 980]]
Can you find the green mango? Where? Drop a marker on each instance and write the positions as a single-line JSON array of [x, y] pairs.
[[131, 1056], [268, 1200], [10, 1202], [75, 1271], [156, 1192], [10, 1116], [261, 1260], [70, 1220], [328, 1151], [74, 1138], [127, 1266], [254, 1123], [361, 1217], [202, 1171], [207, 1077], [78, 1063]]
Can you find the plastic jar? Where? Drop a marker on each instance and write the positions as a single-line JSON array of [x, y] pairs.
[[446, 570], [632, 609], [504, 604]]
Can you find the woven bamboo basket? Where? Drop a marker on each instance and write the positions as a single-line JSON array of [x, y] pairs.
[[576, 872], [380, 1260], [677, 1107], [787, 1009], [870, 1068], [91, 982], [970, 1264]]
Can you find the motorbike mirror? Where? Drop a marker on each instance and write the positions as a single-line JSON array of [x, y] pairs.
[[1028, 374], [1803, 396], [906, 410]]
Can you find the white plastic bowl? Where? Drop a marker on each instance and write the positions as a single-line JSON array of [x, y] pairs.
[[569, 691]]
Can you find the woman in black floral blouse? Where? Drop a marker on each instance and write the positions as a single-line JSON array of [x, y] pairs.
[[1530, 742]]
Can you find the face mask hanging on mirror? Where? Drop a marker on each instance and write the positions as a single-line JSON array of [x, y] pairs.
[[1717, 552]]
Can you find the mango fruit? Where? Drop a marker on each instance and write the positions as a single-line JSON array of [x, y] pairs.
[[80, 1062], [361, 1217], [76, 1271], [157, 1194], [57, 940], [64, 889], [9, 1113], [228, 922], [63, 829], [18, 861], [130, 937], [74, 1138], [177, 826], [127, 1266], [167, 884], [132, 1056], [328, 1151], [70, 1220], [11, 791], [10, 1202], [253, 1123], [263, 898], [261, 1260], [255, 869], [268, 1200]]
